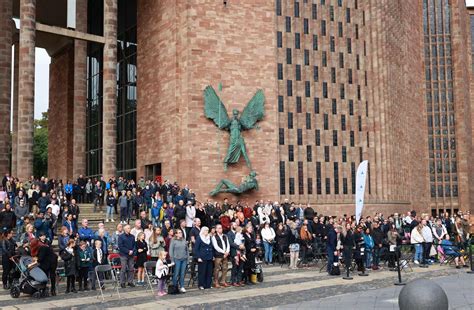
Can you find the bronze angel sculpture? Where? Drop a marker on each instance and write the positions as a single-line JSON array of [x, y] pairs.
[[254, 111]]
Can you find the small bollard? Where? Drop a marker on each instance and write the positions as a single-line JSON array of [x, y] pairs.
[[422, 294]]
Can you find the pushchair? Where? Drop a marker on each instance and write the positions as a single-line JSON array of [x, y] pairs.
[[33, 281]]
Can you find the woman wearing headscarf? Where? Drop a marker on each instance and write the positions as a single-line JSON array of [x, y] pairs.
[[204, 252]]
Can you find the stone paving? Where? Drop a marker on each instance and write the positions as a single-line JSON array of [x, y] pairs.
[[283, 288]]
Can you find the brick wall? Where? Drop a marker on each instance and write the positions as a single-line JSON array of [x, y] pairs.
[[184, 47]]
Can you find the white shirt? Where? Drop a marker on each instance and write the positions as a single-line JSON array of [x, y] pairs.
[[225, 244], [54, 209], [190, 215], [427, 234], [268, 234]]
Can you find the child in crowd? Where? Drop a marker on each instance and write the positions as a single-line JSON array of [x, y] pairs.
[[162, 272]]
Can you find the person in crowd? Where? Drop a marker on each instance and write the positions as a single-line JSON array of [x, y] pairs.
[[8, 251], [180, 215], [137, 228], [416, 238], [63, 238], [127, 248], [162, 272], [427, 233], [142, 249], [306, 241], [156, 244], [7, 218], [111, 205], [190, 216], [179, 255], [333, 236], [439, 231], [451, 250], [29, 233], [123, 204], [348, 244], [115, 236], [85, 265], [21, 212], [204, 252], [85, 233], [75, 211], [378, 237], [47, 261], [69, 257], [221, 245], [250, 252], [156, 214], [392, 238], [268, 238]]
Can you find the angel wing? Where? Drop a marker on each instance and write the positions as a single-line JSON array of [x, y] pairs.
[[214, 108], [254, 111]]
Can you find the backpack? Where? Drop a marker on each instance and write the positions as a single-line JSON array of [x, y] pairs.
[[173, 290], [335, 270]]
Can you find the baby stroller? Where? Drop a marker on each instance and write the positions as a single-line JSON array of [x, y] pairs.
[[33, 281]]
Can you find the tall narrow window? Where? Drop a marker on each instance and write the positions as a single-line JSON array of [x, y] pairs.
[[336, 178], [340, 29], [309, 153], [315, 42], [282, 178], [278, 7], [344, 154], [288, 56], [307, 89], [326, 121], [334, 137], [306, 26], [281, 136], [292, 186], [326, 154], [297, 40], [289, 88], [306, 57], [298, 73], [300, 178], [279, 39], [280, 71], [318, 137], [297, 9], [299, 136], [325, 89], [323, 27], [288, 24], [316, 105], [290, 120], [299, 108], [291, 153], [316, 73], [308, 120], [328, 186], [314, 11], [318, 178], [280, 104]]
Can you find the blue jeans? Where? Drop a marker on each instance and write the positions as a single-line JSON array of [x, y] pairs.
[[330, 252], [110, 212], [268, 251], [419, 252], [376, 257], [179, 270], [368, 258]]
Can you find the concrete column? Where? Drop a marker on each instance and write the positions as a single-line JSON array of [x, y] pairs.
[[26, 103], [15, 111], [109, 122], [80, 93], [5, 82]]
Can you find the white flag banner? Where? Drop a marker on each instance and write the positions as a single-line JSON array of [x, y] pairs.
[[360, 188]]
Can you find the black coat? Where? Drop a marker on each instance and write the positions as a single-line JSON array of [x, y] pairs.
[[283, 238], [70, 262], [7, 219], [47, 259]]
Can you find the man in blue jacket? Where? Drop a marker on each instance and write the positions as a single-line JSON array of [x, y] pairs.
[[85, 233], [126, 247]]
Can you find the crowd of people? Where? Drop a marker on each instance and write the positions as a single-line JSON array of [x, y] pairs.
[[164, 222]]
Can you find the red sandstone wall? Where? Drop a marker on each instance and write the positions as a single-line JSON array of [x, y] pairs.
[[184, 47], [60, 113]]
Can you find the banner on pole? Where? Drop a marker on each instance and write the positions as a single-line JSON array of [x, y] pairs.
[[360, 188]]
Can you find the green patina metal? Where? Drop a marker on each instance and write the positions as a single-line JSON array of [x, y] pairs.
[[225, 186], [254, 111]]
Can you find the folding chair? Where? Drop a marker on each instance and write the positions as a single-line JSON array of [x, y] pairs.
[[150, 268], [192, 269], [406, 257], [104, 269], [114, 261]]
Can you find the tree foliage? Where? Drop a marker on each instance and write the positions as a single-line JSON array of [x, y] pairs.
[[40, 146]]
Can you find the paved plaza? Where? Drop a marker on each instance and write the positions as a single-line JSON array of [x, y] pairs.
[[282, 289]]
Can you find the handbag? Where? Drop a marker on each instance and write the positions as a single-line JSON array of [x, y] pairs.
[[433, 251], [173, 290]]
